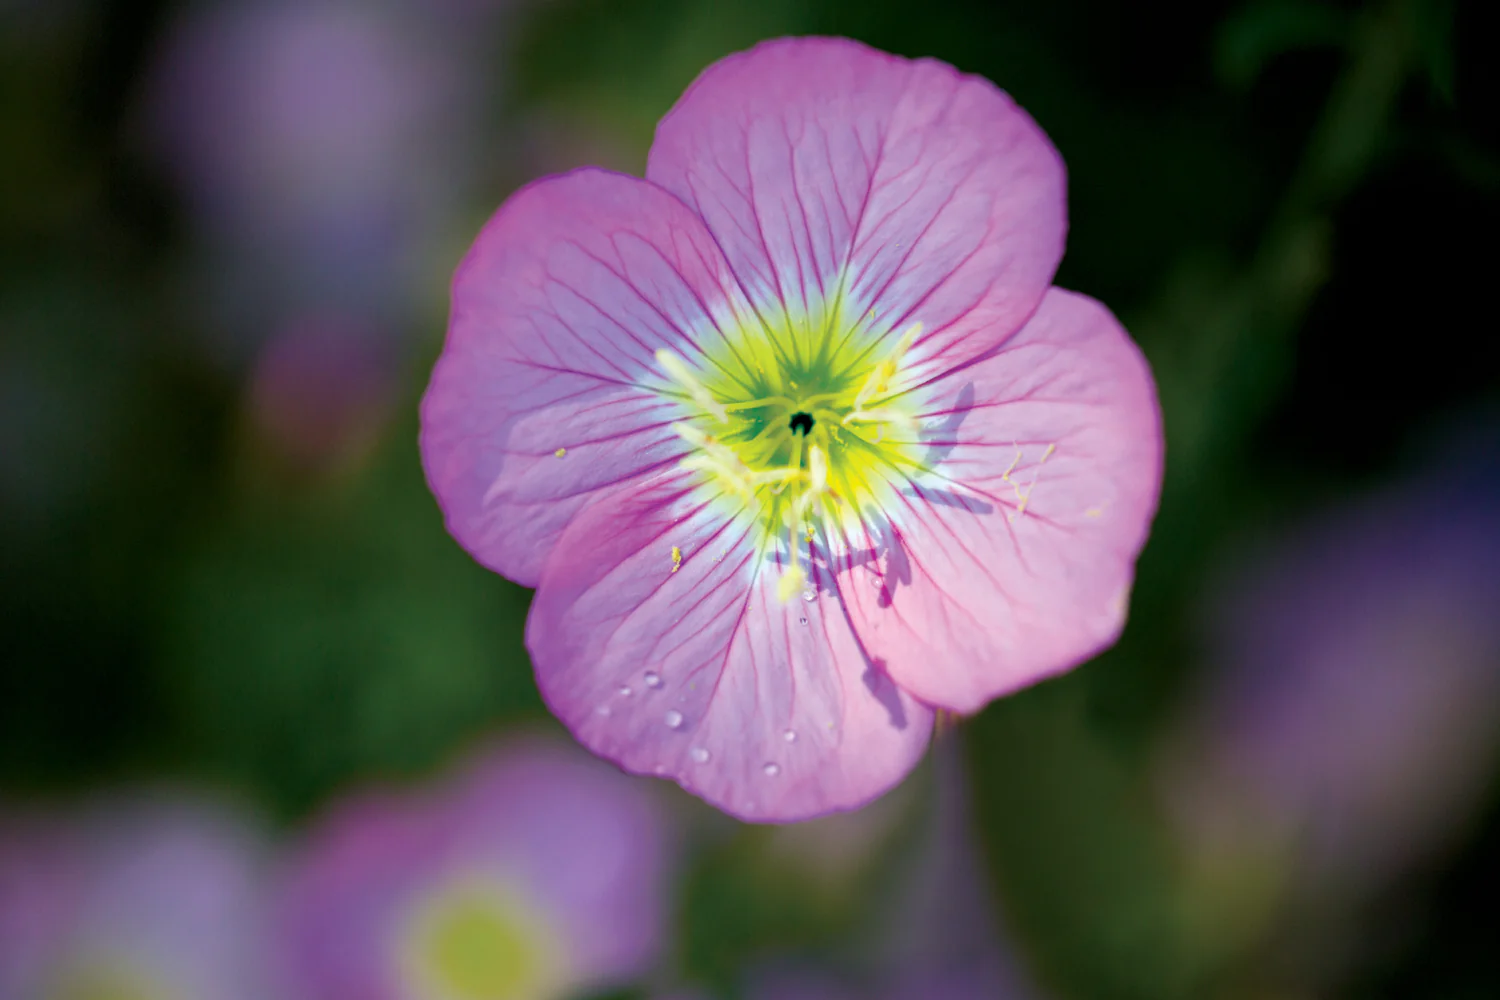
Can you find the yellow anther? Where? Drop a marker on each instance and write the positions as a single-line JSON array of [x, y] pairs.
[[1005, 476], [560, 452], [792, 583], [1026, 497], [676, 559], [683, 376], [877, 383]]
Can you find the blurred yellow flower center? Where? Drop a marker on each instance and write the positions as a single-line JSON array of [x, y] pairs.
[[805, 426], [107, 980], [478, 941]]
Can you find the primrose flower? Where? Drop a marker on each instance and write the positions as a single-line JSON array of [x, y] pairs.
[[793, 437], [538, 873], [143, 899]]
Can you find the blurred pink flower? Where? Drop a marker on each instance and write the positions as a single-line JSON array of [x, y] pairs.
[[318, 143], [139, 897], [322, 390], [535, 873], [1352, 720], [932, 933], [794, 437]]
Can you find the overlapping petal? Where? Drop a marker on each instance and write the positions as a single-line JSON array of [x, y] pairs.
[[659, 640], [557, 312], [1012, 559], [902, 190]]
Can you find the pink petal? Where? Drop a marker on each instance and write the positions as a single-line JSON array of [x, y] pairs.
[[768, 710], [558, 310], [1012, 559], [825, 167]]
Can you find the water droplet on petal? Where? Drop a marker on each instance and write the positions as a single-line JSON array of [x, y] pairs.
[[772, 769], [625, 691], [802, 620], [790, 736], [809, 594], [653, 679], [699, 755], [674, 719]]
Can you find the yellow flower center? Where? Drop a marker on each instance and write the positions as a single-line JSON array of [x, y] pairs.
[[107, 979], [477, 940], [805, 426]]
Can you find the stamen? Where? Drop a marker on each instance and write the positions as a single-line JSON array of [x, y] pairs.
[[716, 458], [877, 383], [817, 469], [683, 376], [791, 583], [903, 423], [795, 578]]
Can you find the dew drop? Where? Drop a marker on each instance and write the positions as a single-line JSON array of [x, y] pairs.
[[772, 769], [674, 719], [699, 755], [653, 679], [809, 594], [790, 736], [625, 691], [802, 620]]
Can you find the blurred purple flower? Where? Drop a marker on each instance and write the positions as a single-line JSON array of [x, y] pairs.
[[942, 936], [319, 144], [535, 873], [140, 897], [321, 392], [933, 933], [1353, 717]]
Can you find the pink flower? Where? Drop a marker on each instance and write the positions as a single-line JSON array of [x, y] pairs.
[[537, 873], [793, 437], [145, 897]]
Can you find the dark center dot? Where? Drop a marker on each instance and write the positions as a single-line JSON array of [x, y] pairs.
[[801, 423]]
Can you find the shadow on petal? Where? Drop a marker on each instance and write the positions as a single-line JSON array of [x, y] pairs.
[[884, 690], [946, 433]]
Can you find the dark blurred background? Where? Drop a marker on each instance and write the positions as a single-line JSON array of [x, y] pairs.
[[226, 232]]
